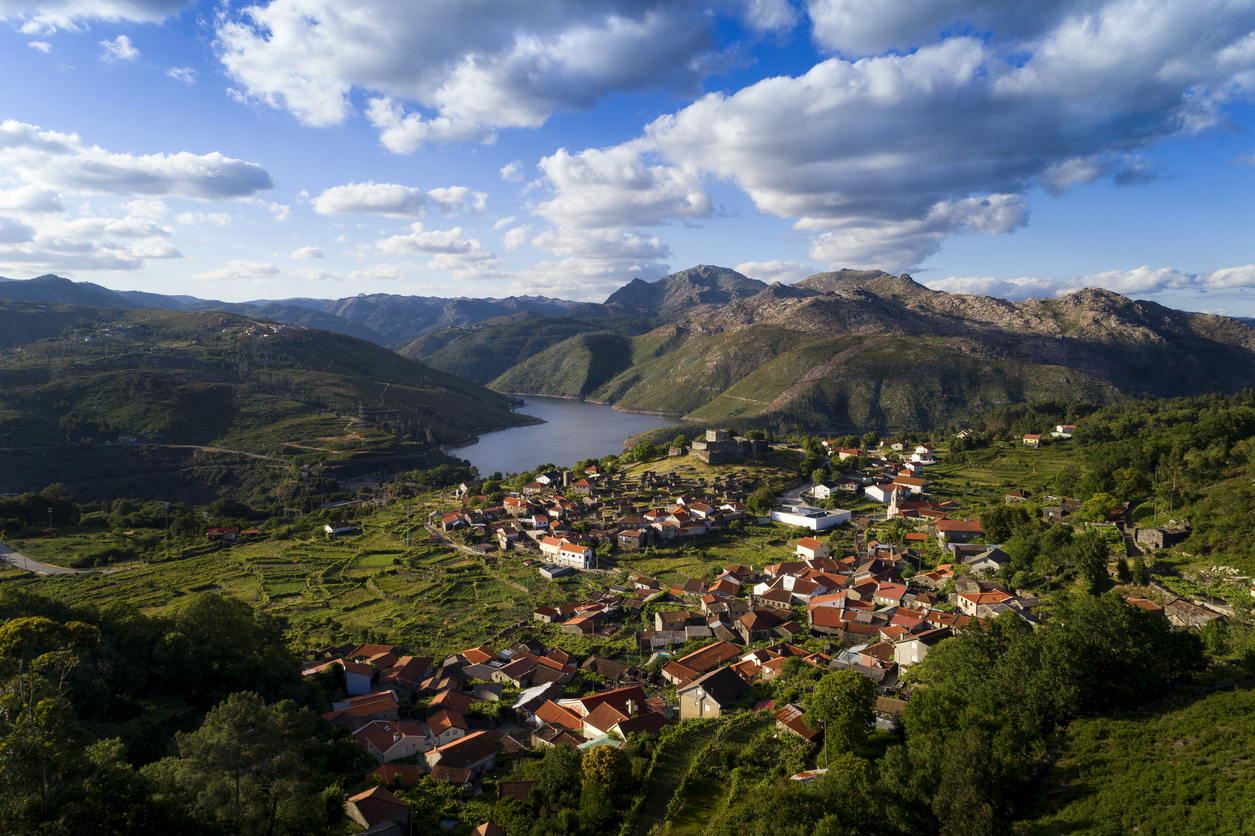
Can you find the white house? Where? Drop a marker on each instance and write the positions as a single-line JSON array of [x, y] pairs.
[[823, 490], [389, 740], [816, 519], [810, 548], [881, 493], [577, 557]]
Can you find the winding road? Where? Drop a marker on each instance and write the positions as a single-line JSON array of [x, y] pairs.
[[21, 561]]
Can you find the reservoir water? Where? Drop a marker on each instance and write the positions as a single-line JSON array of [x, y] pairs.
[[573, 430]]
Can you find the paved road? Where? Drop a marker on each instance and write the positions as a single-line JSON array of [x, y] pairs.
[[21, 561], [794, 497]]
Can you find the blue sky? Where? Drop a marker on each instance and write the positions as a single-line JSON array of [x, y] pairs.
[[489, 148]]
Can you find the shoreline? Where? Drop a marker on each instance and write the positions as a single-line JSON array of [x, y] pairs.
[[472, 438], [615, 407]]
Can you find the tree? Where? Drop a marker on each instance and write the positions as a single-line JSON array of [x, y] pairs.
[[40, 740], [559, 779], [820, 475], [248, 767], [761, 501], [1089, 555], [644, 451], [999, 522], [1099, 507], [608, 767], [844, 701], [1132, 484], [681, 440], [1123, 575], [870, 440], [968, 801], [1141, 575], [218, 644]]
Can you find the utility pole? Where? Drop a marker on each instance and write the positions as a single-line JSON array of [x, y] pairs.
[[407, 525], [49, 518]]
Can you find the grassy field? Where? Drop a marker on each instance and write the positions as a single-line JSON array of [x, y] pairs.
[[703, 799], [989, 473], [1181, 770], [369, 585]]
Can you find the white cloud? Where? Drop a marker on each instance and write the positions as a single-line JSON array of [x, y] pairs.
[[503, 222], [374, 273], [770, 15], [615, 187], [515, 238], [154, 209], [883, 155], [307, 252], [897, 245], [42, 46], [215, 218], [119, 49], [396, 201], [46, 16], [372, 198], [1227, 277], [609, 244], [281, 211], [61, 161], [786, 272], [404, 132], [470, 68], [442, 242], [15, 232], [187, 75], [54, 243], [584, 279], [31, 199], [239, 271], [512, 172], [454, 200], [1141, 281], [867, 27]]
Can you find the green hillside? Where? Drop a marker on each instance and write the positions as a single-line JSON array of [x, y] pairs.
[[491, 348], [226, 382], [859, 350], [1181, 769]]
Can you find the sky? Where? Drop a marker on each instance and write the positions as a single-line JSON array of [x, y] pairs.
[[487, 148]]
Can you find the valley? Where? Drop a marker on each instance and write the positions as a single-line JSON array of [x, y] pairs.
[[1022, 544]]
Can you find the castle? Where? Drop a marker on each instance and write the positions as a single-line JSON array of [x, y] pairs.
[[718, 446]]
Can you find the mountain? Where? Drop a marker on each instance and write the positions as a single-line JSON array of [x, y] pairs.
[[217, 380], [488, 349], [402, 319], [54, 289], [867, 349], [385, 319], [677, 294]]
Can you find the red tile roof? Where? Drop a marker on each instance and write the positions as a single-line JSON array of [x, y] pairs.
[[377, 805], [465, 751], [555, 715], [444, 720]]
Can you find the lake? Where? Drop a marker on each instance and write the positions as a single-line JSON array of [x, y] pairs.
[[573, 430]]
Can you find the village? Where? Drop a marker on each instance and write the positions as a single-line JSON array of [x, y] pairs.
[[706, 645]]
